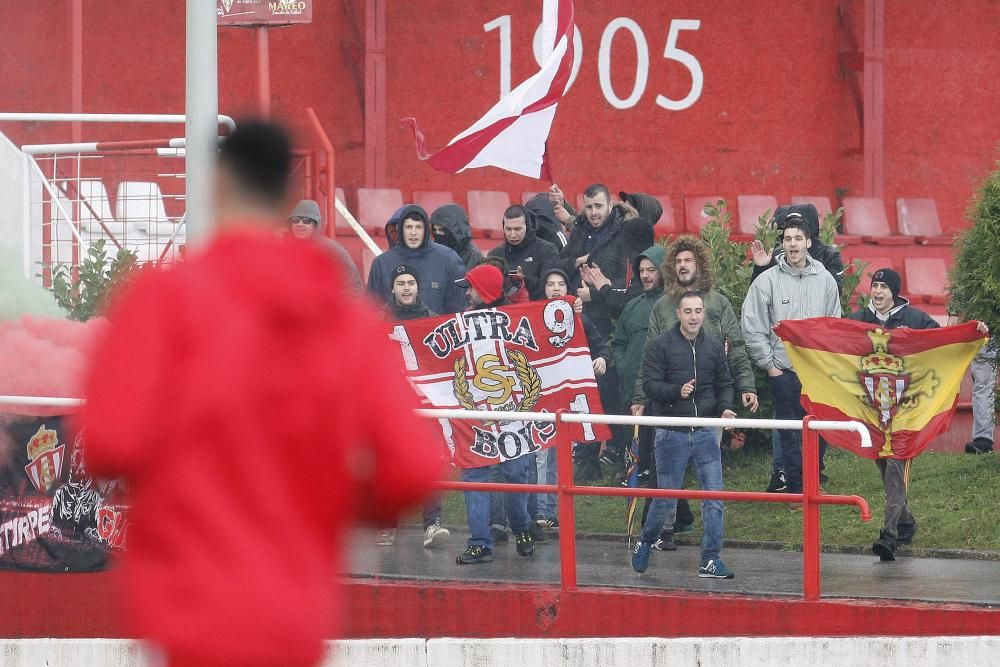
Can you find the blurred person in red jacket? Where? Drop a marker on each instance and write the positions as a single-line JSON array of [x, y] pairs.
[[243, 397]]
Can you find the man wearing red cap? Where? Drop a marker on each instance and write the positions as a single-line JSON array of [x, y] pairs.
[[485, 290]]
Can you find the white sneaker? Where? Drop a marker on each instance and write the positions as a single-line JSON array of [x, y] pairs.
[[435, 535], [385, 538]]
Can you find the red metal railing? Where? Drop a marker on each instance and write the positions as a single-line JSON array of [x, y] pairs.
[[811, 498]]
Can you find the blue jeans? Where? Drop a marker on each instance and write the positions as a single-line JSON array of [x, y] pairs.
[[547, 503], [674, 449], [787, 392], [477, 503]]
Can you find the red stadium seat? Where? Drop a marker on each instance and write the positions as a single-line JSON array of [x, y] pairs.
[[926, 277], [865, 217], [431, 200], [824, 208], [667, 225], [822, 204], [486, 209], [918, 217], [694, 211], [750, 208], [376, 206]]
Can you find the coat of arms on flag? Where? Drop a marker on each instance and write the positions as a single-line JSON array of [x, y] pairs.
[[902, 383], [530, 357]]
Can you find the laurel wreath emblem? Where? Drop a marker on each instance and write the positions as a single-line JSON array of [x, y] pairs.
[[531, 384]]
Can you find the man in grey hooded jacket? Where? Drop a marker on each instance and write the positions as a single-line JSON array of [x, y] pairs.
[[796, 288]]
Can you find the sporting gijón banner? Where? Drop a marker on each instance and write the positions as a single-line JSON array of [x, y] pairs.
[[530, 357]]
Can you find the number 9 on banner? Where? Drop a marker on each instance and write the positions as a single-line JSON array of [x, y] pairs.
[[558, 318]]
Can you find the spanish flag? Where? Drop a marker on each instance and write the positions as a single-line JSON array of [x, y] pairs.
[[902, 383]]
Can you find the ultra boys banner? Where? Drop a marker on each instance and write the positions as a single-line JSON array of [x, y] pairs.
[[530, 357], [53, 516]]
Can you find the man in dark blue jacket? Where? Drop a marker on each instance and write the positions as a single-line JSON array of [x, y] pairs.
[[686, 374]]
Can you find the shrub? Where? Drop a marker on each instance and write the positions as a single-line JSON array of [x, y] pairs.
[[83, 292]]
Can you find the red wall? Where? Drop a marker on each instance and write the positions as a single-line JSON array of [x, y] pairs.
[[776, 114]]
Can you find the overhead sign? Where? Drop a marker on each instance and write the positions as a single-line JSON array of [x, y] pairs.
[[263, 12]]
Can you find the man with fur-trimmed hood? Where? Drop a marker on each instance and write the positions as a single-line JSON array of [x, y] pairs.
[[685, 268]]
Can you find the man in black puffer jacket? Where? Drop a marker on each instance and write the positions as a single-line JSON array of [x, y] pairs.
[[686, 374]]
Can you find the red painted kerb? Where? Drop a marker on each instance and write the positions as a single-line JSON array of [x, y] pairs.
[[84, 605]]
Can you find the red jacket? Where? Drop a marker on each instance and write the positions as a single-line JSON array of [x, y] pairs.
[[256, 416]]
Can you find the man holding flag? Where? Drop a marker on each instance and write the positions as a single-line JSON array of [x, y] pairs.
[[890, 310], [892, 368]]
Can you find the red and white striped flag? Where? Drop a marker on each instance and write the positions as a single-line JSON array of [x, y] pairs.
[[512, 135]]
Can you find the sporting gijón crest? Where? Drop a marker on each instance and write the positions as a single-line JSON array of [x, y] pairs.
[[884, 378]]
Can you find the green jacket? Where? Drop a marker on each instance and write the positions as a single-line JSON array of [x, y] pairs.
[[720, 322], [630, 332]]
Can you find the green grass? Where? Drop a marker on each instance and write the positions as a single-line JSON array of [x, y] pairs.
[[953, 496]]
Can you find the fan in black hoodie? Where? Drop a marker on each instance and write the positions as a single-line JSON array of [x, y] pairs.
[[524, 251]]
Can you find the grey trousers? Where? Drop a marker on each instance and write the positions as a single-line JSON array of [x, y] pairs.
[[984, 382], [895, 478]]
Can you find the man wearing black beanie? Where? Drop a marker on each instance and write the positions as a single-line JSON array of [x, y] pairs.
[[888, 309]]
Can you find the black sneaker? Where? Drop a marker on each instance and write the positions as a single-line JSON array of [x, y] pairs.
[[665, 543], [611, 458], [906, 533], [499, 535], [885, 547], [777, 484], [979, 446], [823, 479], [525, 546], [475, 554], [538, 534]]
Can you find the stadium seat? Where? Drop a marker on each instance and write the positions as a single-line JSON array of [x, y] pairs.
[[918, 217], [824, 208], [667, 225], [376, 206], [865, 217], [94, 203], [431, 200], [486, 209], [140, 203], [822, 204], [750, 208], [694, 211], [926, 278]]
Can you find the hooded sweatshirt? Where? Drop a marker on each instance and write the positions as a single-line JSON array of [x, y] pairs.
[[439, 267], [211, 430], [458, 234], [630, 331], [784, 292], [649, 207], [548, 228], [307, 208], [532, 254]]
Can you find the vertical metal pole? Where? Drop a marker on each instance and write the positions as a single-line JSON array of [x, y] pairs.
[[375, 113], [810, 512], [263, 72], [567, 513], [874, 98], [202, 109], [77, 29]]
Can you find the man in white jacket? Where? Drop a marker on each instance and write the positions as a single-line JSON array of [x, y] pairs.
[[796, 288]]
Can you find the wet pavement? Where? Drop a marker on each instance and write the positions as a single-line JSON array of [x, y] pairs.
[[605, 562]]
